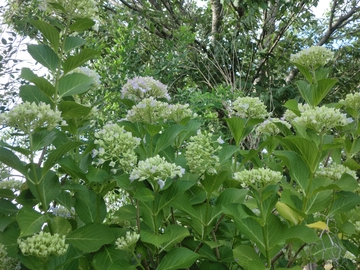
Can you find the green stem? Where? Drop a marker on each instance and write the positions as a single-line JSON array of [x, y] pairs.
[[265, 236], [137, 260]]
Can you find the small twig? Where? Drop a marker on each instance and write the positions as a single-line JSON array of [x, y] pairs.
[[278, 255], [290, 263], [217, 252]]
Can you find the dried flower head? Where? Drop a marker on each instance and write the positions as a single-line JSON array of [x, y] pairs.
[[43, 245], [257, 177], [139, 88], [29, 116], [117, 146], [249, 107], [313, 57], [201, 154]]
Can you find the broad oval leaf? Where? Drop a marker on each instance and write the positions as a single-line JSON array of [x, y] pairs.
[[30, 221], [71, 109], [178, 258], [73, 43], [81, 25], [44, 55], [49, 32], [79, 59], [74, 83], [32, 93]]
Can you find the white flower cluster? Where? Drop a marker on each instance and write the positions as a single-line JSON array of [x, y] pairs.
[[352, 101], [201, 154], [313, 57], [257, 177], [73, 8], [117, 146], [334, 171], [249, 107], [90, 73], [6, 262], [128, 242], [269, 126], [290, 116], [29, 116], [321, 119], [62, 211], [139, 88], [11, 184], [43, 245], [156, 168]]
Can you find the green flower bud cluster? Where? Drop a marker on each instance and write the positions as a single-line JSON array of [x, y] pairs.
[[352, 101], [156, 168], [313, 57], [290, 115], [249, 107], [128, 242], [257, 177], [201, 154], [269, 127], [29, 116], [43, 245], [11, 184], [149, 110], [117, 146], [139, 88], [334, 171], [322, 119], [6, 262], [179, 111], [73, 8]]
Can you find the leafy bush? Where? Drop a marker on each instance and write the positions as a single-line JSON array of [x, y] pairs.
[[154, 190]]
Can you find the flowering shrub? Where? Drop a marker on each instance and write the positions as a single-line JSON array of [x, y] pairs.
[[157, 191]]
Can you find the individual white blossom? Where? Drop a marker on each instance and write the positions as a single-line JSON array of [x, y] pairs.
[[43, 245], [156, 168], [29, 116], [149, 110], [117, 146], [139, 88], [352, 101], [201, 155], [249, 107], [6, 262], [257, 177], [334, 171], [313, 57], [128, 242], [269, 126], [11, 184], [322, 119]]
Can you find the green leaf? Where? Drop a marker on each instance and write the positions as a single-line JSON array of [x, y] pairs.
[[297, 167], [49, 32], [178, 258], [30, 221], [74, 83], [42, 138], [318, 202], [305, 90], [227, 152], [126, 212], [144, 194], [81, 25], [44, 85], [292, 105], [300, 233], [31, 93], [73, 43], [168, 137], [71, 109], [90, 207], [55, 155], [7, 208], [60, 225], [9, 158], [91, 237], [45, 187], [322, 89], [304, 71], [212, 182], [5, 221], [111, 258], [247, 258], [44, 55], [345, 201], [287, 213], [236, 126], [95, 175], [9, 239], [173, 235], [79, 59]]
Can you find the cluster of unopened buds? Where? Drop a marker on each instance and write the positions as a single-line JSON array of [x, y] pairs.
[[128, 242], [313, 57], [43, 245], [249, 107], [257, 177], [334, 172]]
